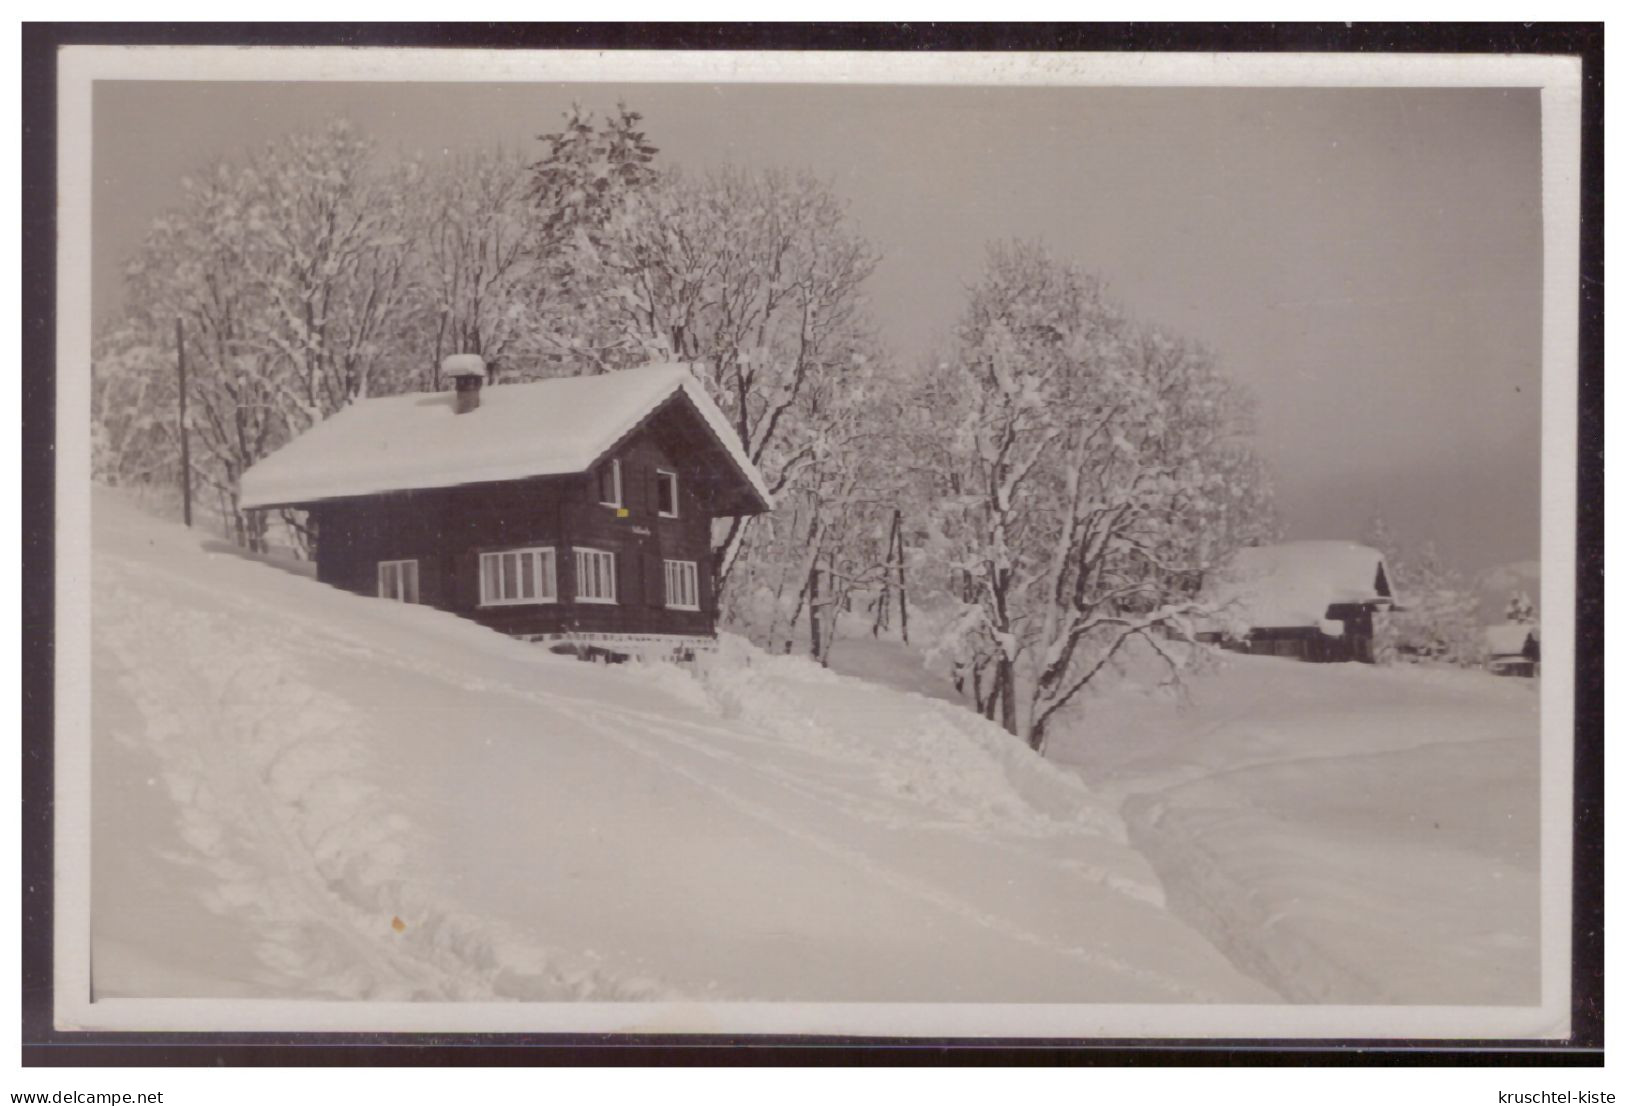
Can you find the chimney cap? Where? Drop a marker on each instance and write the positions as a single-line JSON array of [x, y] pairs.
[[464, 364]]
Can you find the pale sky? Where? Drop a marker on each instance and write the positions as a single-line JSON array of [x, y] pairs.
[[1367, 261]]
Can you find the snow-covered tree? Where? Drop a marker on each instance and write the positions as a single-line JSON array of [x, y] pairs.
[[587, 193], [204, 266], [829, 540], [288, 272], [582, 184], [336, 275], [1521, 608], [1087, 473], [1380, 536], [752, 277], [1438, 619], [134, 414], [478, 281]]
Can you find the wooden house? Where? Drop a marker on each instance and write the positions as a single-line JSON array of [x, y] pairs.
[[1314, 600], [575, 510], [1512, 649]]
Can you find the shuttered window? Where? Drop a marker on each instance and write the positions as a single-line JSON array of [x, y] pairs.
[[595, 576], [398, 580], [682, 585], [512, 576]]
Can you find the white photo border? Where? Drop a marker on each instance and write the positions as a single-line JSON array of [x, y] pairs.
[[1559, 80]]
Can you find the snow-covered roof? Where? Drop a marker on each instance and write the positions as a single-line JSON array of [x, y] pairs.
[[1293, 583], [545, 428], [1508, 638]]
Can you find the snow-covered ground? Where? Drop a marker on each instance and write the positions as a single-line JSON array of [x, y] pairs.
[[299, 792], [1346, 833]]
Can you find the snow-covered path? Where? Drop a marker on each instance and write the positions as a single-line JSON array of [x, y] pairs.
[[380, 801], [1345, 833]]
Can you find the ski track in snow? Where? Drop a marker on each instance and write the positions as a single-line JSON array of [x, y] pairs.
[[922, 890], [325, 903], [321, 869], [1359, 903]]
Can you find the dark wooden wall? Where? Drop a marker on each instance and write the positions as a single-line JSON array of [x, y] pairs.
[[445, 530], [1307, 644], [1356, 643]]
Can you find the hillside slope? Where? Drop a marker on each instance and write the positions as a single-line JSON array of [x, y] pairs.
[[300, 792]]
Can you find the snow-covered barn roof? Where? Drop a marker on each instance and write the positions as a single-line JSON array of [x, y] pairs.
[[1293, 583], [546, 428], [1508, 638]]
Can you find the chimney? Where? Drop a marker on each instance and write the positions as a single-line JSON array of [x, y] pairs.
[[467, 371]]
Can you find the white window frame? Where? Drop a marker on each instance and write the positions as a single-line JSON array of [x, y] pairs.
[[620, 497], [544, 574], [399, 581], [606, 572], [676, 509], [676, 572]]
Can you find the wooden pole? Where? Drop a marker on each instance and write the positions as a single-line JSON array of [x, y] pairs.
[[813, 612], [186, 445], [902, 573]]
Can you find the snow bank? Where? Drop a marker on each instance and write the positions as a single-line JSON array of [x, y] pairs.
[[381, 800], [940, 754], [269, 774]]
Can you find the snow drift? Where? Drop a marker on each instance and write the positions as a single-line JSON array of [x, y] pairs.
[[329, 795], [1345, 832]]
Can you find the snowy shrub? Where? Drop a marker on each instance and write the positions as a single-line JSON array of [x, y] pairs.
[[1438, 615], [1384, 638]]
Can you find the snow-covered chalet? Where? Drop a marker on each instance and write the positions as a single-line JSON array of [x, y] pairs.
[[1315, 600], [574, 510], [1512, 649]]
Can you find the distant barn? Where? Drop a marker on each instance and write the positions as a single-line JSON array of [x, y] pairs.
[[1315, 600], [1512, 649], [575, 510]]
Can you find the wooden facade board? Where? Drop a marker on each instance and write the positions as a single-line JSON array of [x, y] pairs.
[[446, 529]]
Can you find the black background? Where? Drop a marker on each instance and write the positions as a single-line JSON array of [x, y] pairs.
[[42, 1045]]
